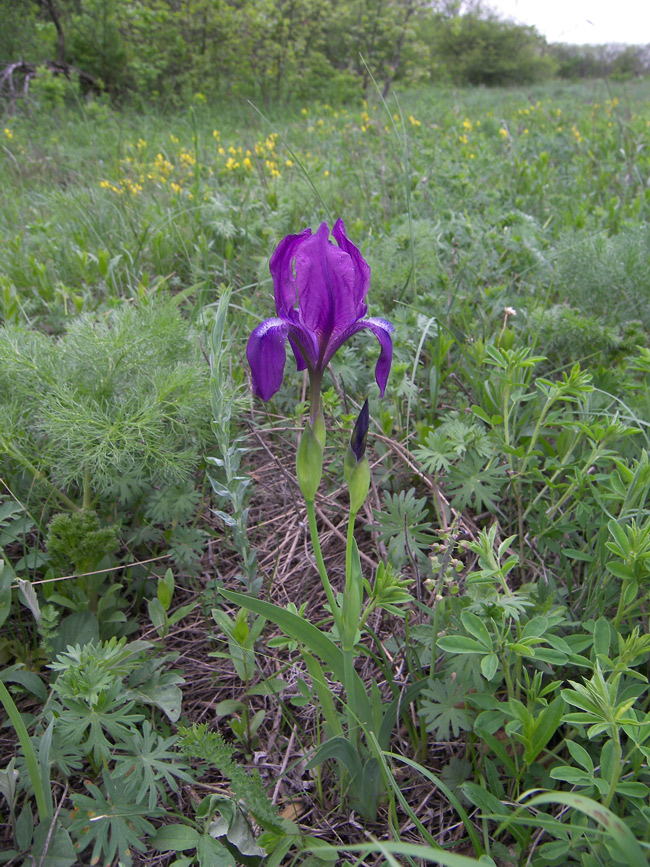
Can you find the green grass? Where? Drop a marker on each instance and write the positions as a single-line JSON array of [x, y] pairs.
[[507, 231]]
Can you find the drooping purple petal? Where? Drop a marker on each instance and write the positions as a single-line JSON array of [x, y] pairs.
[[325, 279], [382, 329], [282, 271], [361, 267], [266, 355]]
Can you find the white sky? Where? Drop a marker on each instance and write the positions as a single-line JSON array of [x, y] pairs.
[[582, 21]]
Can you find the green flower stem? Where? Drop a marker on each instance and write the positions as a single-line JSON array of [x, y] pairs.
[[348, 675], [348, 652], [348, 551], [320, 563], [44, 810]]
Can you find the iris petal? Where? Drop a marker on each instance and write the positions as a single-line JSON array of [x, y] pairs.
[[281, 268], [382, 329], [361, 267], [325, 279], [266, 353]]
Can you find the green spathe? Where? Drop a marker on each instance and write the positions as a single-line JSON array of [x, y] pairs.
[[357, 474], [309, 461]]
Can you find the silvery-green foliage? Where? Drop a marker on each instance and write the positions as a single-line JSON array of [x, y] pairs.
[[230, 486], [121, 395]]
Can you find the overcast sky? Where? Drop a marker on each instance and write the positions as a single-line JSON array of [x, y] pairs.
[[582, 21]]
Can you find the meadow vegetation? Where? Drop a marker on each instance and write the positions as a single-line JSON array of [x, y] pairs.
[[178, 687]]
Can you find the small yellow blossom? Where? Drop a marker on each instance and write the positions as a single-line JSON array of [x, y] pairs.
[[413, 121], [248, 165], [467, 124], [503, 132], [9, 133]]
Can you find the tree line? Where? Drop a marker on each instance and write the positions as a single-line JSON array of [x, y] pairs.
[[285, 50]]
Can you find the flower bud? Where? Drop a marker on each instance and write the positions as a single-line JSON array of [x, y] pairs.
[[309, 463], [356, 468]]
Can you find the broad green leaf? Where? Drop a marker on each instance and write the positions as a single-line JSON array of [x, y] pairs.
[[212, 853], [545, 727], [52, 847], [536, 627], [574, 776], [489, 665], [620, 570], [341, 749], [475, 626], [460, 644], [156, 613], [24, 828], [29, 679], [580, 755], [602, 637]]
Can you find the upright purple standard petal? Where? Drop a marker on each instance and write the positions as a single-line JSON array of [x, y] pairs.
[[361, 267], [281, 268], [266, 355], [325, 279]]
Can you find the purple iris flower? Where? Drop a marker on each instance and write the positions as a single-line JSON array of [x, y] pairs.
[[320, 290]]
